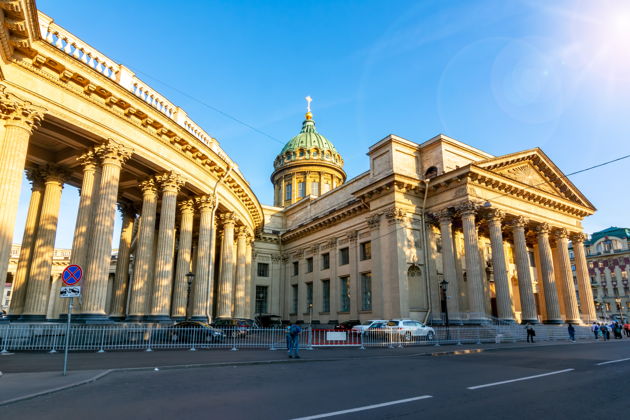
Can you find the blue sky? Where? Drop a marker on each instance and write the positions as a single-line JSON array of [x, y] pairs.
[[501, 76]]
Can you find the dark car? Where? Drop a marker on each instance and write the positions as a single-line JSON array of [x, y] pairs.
[[193, 332], [346, 325], [235, 326]]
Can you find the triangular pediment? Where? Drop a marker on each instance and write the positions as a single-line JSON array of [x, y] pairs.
[[534, 169]]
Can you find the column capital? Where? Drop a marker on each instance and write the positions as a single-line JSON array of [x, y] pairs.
[[170, 181], [205, 202], [113, 152], [148, 187], [352, 236], [18, 112], [55, 173], [542, 228], [228, 218], [373, 221], [560, 233], [395, 214], [578, 237], [35, 176], [127, 208], [519, 222], [187, 206], [242, 232], [443, 216], [89, 160], [495, 215], [467, 208]]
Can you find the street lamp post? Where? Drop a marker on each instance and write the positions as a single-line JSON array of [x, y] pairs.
[[444, 287], [310, 312], [190, 276]]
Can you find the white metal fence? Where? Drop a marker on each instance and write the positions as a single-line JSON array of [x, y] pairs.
[[148, 337]]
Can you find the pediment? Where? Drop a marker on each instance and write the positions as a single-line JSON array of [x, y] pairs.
[[535, 169]]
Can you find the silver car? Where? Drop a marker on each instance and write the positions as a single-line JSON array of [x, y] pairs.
[[408, 329]]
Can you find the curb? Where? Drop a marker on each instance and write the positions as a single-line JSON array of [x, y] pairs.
[[456, 352]]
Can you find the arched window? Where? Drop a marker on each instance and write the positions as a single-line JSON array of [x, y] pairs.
[[432, 172]]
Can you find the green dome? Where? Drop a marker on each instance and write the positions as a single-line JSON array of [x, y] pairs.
[[308, 145]]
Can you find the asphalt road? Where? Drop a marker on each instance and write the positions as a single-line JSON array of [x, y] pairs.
[[552, 382]]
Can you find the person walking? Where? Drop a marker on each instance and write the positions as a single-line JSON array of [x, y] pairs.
[[595, 329], [617, 331], [626, 328], [571, 329], [604, 329], [294, 340], [531, 333]]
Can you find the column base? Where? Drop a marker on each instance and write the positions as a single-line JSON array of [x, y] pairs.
[[553, 321], [573, 321], [31, 318], [529, 321], [159, 319], [117, 318], [88, 318], [178, 318], [199, 318], [507, 321], [134, 318], [12, 317], [478, 321]]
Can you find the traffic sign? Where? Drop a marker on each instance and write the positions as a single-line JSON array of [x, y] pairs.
[[70, 291], [71, 275]]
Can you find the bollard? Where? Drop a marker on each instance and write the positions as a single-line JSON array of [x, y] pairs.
[[234, 340], [362, 346], [6, 341], [53, 351], [149, 349], [101, 350]]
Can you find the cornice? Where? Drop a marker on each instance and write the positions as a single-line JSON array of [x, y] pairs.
[[324, 221]]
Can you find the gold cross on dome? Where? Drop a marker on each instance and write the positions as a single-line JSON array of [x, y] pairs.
[[308, 103]]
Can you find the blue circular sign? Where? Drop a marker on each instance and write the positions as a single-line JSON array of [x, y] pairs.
[[71, 275]]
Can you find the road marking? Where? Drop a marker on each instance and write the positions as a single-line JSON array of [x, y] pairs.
[[367, 407], [613, 361], [520, 379]]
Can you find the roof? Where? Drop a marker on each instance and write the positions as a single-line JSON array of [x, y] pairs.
[[617, 232], [308, 138]]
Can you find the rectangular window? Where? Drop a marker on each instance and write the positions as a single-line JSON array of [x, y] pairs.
[[532, 261], [345, 294], [301, 189], [287, 192], [325, 295], [315, 188], [325, 261], [261, 299], [309, 296], [294, 299], [309, 265], [296, 268], [263, 270], [366, 291], [366, 251], [344, 256]]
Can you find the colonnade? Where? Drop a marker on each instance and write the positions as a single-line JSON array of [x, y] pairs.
[[155, 250], [555, 267]]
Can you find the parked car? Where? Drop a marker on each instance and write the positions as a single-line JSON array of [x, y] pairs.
[[346, 325], [235, 326], [193, 331], [408, 329], [377, 330], [365, 326]]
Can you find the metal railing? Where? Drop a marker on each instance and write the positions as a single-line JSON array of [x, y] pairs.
[[149, 337]]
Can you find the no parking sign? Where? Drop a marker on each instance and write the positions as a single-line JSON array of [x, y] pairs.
[[71, 277]]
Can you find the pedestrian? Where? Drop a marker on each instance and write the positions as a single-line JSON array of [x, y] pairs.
[[626, 328], [595, 329], [604, 330], [571, 329], [294, 340], [617, 331], [531, 333]]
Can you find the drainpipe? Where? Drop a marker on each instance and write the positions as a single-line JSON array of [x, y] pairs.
[[212, 235], [424, 247]]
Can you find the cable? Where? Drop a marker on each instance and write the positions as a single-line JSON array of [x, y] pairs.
[[215, 109]]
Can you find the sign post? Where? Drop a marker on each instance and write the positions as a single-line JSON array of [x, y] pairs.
[[71, 277]]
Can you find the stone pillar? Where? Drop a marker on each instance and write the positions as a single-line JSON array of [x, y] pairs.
[[374, 222], [36, 304], [566, 275], [587, 304], [476, 296], [84, 222], [226, 279], [523, 272], [121, 280], [501, 282], [249, 287], [181, 305], [18, 291], [241, 272], [448, 262], [548, 276], [163, 279], [202, 304], [19, 119], [113, 155], [141, 286]]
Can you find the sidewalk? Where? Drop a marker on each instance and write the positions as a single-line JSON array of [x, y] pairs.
[[28, 375]]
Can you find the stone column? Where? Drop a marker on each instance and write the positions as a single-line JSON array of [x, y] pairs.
[[18, 292], [501, 282], [36, 304], [84, 222], [226, 279], [548, 276], [141, 286], [163, 279], [476, 296], [184, 262], [241, 272], [249, 291], [202, 304], [587, 303], [448, 261], [121, 280], [112, 155], [374, 222], [523, 272], [566, 275], [19, 119]]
